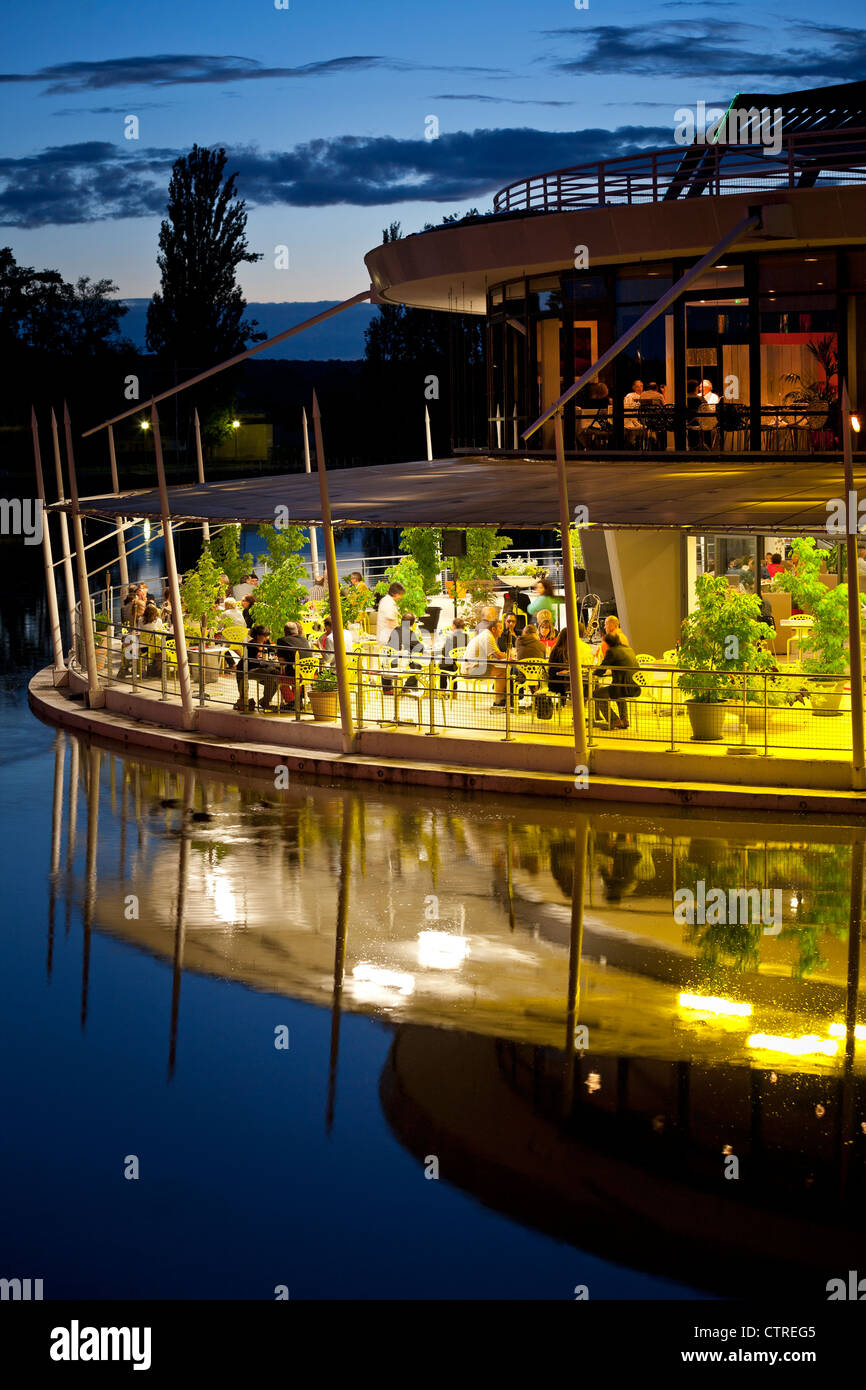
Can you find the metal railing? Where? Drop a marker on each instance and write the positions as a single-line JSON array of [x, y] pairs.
[[806, 160], [395, 689]]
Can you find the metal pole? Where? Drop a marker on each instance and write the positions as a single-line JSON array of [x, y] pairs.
[[668, 298], [173, 585], [64, 531], [205, 526], [575, 950], [95, 695], [50, 585], [575, 672], [333, 588], [314, 545], [118, 521], [427, 432], [855, 641]]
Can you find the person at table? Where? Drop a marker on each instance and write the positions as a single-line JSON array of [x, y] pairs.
[[489, 615], [356, 581], [695, 407], [516, 601], [558, 671], [316, 591], [528, 647], [766, 614], [632, 426], [247, 609], [482, 660], [593, 416], [292, 641], [152, 622], [546, 629], [544, 597], [709, 395], [611, 627], [776, 565], [260, 662], [453, 643], [652, 395], [621, 660], [508, 640]]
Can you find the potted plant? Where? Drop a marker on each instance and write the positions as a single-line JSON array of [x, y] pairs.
[[825, 658], [721, 638], [323, 695], [518, 573], [101, 624]]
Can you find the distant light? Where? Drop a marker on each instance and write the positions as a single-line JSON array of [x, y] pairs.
[[144, 424], [795, 1047], [708, 1005], [145, 530], [722, 267], [795, 901], [440, 950], [855, 423], [236, 424], [838, 1030], [810, 258]]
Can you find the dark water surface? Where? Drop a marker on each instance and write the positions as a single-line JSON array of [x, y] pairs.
[[163, 923]]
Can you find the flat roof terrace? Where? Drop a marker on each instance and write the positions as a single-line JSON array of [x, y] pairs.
[[774, 496]]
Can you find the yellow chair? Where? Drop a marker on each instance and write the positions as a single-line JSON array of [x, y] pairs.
[[234, 635], [306, 669]]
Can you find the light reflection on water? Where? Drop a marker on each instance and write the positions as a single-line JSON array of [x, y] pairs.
[[450, 923]]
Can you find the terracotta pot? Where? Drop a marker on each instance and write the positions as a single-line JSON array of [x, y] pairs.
[[324, 705]]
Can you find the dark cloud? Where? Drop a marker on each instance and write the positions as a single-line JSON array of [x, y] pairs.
[[803, 53], [98, 180], [174, 69], [113, 110], [498, 101]]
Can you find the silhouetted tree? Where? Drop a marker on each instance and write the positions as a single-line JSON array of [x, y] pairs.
[[196, 317]]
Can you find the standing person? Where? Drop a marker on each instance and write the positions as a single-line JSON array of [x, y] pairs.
[[387, 619], [152, 622], [545, 598], [623, 687]]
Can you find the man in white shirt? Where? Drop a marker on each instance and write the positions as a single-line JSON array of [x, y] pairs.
[[709, 395], [387, 620], [631, 424], [482, 660]]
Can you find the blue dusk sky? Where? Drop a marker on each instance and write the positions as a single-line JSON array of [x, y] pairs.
[[322, 108]]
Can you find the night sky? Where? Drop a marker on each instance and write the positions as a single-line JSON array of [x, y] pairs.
[[322, 107]]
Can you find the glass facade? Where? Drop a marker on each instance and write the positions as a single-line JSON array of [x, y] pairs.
[[751, 358]]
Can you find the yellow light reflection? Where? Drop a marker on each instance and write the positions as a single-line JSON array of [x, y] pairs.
[[708, 1005], [794, 1047], [440, 950], [365, 973], [838, 1030]]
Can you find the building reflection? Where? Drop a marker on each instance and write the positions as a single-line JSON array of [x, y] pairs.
[[544, 999]]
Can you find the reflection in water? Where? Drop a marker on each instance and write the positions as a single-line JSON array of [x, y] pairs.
[[587, 1062]]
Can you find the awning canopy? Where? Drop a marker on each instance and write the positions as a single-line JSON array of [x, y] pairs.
[[786, 496]]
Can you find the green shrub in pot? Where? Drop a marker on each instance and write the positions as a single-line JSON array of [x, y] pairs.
[[722, 638]]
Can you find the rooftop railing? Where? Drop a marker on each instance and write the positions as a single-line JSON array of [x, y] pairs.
[[805, 160]]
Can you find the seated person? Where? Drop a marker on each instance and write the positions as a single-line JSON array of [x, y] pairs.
[[247, 610], [454, 641], [592, 423], [611, 626], [652, 395], [546, 630], [766, 614], [622, 688], [259, 663], [356, 581], [408, 649], [292, 641], [776, 565], [632, 426], [482, 660], [516, 601], [558, 670], [529, 647], [152, 622], [508, 640]]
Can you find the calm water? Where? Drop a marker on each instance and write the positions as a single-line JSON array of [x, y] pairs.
[[165, 926]]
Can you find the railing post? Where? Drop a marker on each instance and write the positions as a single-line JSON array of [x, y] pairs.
[[507, 738], [673, 674], [163, 673], [201, 694], [359, 692], [766, 716], [431, 679], [297, 685], [245, 679], [601, 185]]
